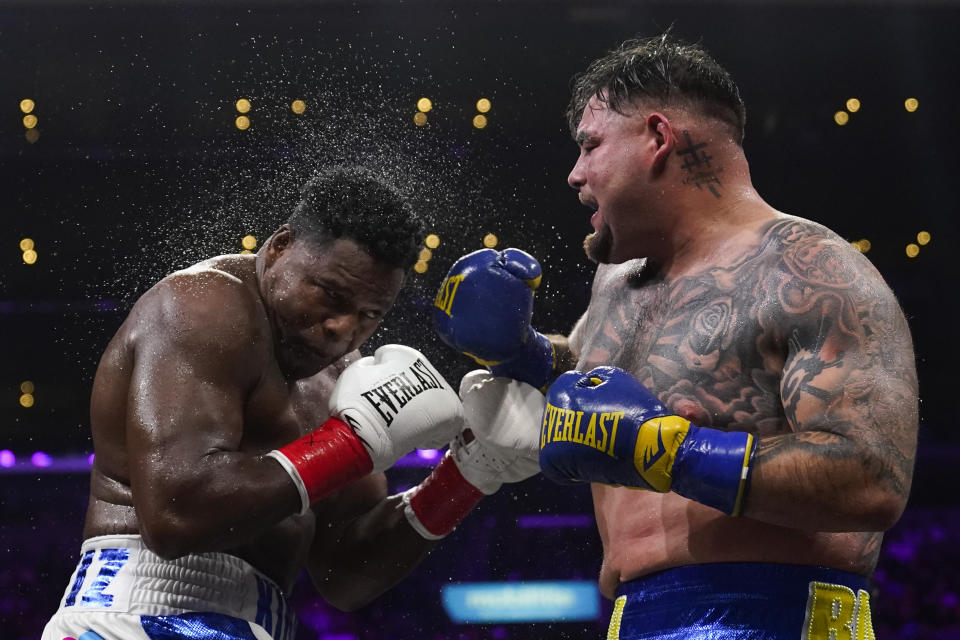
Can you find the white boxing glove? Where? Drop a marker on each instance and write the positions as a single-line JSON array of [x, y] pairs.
[[395, 401], [382, 407], [504, 414]]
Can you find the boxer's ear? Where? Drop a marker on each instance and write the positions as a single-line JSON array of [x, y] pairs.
[[276, 244]]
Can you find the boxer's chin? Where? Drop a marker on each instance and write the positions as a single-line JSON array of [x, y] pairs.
[[598, 245]]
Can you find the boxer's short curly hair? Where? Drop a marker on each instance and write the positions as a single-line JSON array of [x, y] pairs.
[[663, 69], [354, 203]]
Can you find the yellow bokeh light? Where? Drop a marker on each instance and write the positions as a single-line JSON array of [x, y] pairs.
[[911, 104], [27, 105], [864, 245], [426, 254], [490, 241], [853, 105], [483, 105], [841, 117], [30, 121], [32, 135], [26, 244], [246, 252], [30, 256], [26, 400], [479, 121], [243, 105], [420, 267], [424, 105], [912, 250], [432, 241], [249, 242], [419, 118], [243, 123], [298, 106], [26, 386], [923, 238]]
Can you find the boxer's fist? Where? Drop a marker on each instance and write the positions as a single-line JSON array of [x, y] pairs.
[[503, 416], [395, 401], [605, 426], [484, 307]]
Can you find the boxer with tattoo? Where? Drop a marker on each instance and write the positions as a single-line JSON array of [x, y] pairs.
[[744, 399]]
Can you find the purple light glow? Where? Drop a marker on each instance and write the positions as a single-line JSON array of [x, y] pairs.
[[90, 460], [40, 459], [555, 521], [7, 459], [428, 454]]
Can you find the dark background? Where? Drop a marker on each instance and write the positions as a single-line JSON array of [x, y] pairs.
[[139, 170]]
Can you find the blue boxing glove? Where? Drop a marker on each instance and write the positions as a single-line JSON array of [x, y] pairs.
[[483, 309], [604, 426]]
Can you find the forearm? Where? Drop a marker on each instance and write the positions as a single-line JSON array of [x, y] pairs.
[[224, 500], [824, 481], [564, 357], [375, 552]]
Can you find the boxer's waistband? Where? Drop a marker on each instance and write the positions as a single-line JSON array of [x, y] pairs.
[[737, 578], [743, 600], [120, 574]]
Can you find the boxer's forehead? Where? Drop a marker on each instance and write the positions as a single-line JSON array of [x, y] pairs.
[[348, 265]]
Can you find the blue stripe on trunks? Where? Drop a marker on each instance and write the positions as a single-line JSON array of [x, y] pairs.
[[730, 600], [196, 626]]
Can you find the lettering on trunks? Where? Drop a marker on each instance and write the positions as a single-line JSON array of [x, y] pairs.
[[393, 394], [591, 429]]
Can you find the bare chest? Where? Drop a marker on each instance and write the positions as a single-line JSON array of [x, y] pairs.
[[278, 412], [698, 343]]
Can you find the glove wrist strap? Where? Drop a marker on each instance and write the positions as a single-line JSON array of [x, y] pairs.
[[713, 467], [438, 504], [534, 364], [324, 460]]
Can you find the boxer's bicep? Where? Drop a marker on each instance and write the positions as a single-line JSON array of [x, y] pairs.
[[849, 394], [190, 376]]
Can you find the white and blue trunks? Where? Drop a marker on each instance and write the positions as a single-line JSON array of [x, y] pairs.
[[121, 590]]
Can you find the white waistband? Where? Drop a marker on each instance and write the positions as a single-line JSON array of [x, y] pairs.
[[120, 574]]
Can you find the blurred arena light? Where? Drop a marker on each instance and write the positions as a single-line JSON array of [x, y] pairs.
[[27, 105], [911, 104], [923, 238], [490, 241], [483, 105], [432, 241], [853, 105], [841, 117], [480, 121], [419, 118], [298, 107], [501, 602], [424, 105]]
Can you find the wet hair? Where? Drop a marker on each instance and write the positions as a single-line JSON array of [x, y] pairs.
[[663, 69], [354, 203]]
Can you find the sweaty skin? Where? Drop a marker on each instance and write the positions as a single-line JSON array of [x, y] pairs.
[[740, 317], [218, 364], [794, 335]]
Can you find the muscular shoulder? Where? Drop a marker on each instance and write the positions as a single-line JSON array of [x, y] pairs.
[[809, 276], [202, 305]]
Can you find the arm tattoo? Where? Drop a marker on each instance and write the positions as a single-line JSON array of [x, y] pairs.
[[799, 337]]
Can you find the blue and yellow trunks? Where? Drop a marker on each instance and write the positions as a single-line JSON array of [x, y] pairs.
[[743, 601]]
